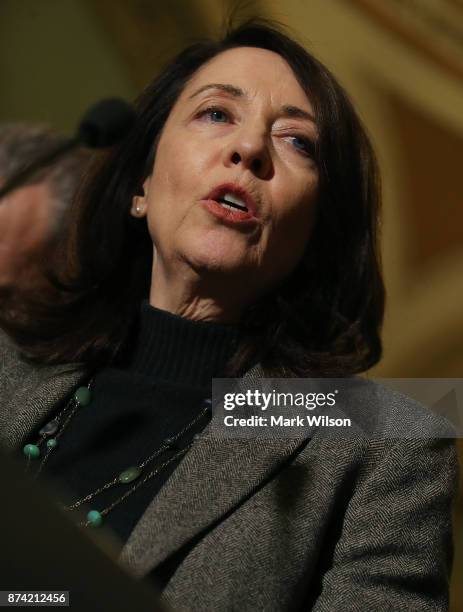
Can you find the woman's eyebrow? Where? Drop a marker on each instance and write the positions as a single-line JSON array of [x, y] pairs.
[[286, 110], [235, 92], [294, 111]]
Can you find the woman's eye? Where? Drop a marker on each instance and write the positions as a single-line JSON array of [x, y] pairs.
[[304, 145], [215, 114]]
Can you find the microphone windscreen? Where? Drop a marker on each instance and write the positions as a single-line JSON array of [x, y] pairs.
[[105, 123]]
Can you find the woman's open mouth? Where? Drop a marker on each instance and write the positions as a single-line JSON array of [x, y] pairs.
[[230, 211], [230, 202]]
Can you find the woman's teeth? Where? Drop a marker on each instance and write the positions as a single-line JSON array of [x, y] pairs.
[[229, 202], [227, 206]]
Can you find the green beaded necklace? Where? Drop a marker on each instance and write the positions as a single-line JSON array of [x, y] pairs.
[[51, 433]]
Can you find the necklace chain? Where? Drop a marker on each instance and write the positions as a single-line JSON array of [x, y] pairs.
[[71, 408]]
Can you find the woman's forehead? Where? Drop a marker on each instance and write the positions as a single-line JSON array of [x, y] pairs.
[[249, 70]]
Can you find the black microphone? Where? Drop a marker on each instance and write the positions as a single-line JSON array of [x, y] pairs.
[[103, 125]]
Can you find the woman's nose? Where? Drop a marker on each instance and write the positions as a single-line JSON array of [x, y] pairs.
[[250, 149]]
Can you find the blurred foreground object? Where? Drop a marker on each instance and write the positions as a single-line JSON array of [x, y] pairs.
[[65, 549], [31, 216]]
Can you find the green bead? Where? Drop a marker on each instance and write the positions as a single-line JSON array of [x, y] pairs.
[[94, 518], [129, 474], [83, 396], [32, 451], [51, 443]]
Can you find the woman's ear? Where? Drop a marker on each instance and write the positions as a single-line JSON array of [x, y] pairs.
[[139, 205]]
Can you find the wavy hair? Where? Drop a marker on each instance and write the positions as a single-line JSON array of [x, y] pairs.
[[324, 319]]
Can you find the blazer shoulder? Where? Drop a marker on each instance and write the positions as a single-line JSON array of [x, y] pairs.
[[386, 410], [10, 356], [14, 369], [6, 343], [17, 372]]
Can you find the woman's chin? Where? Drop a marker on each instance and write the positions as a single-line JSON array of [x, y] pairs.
[[216, 252], [205, 260]]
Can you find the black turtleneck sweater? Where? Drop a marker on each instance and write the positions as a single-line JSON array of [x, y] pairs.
[[160, 387]]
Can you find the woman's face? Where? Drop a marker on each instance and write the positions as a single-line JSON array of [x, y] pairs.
[[247, 132]]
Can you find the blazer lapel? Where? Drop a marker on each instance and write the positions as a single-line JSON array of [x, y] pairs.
[[213, 478], [215, 475]]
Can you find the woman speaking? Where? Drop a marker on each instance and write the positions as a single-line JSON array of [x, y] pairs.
[[232, 233]]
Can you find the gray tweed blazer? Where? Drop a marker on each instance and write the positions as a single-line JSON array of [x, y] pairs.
[[284, 524]]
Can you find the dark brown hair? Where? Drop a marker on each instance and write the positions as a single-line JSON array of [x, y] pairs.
[[324, 319]]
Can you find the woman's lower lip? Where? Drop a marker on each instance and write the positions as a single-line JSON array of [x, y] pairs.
[[228, 214]]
